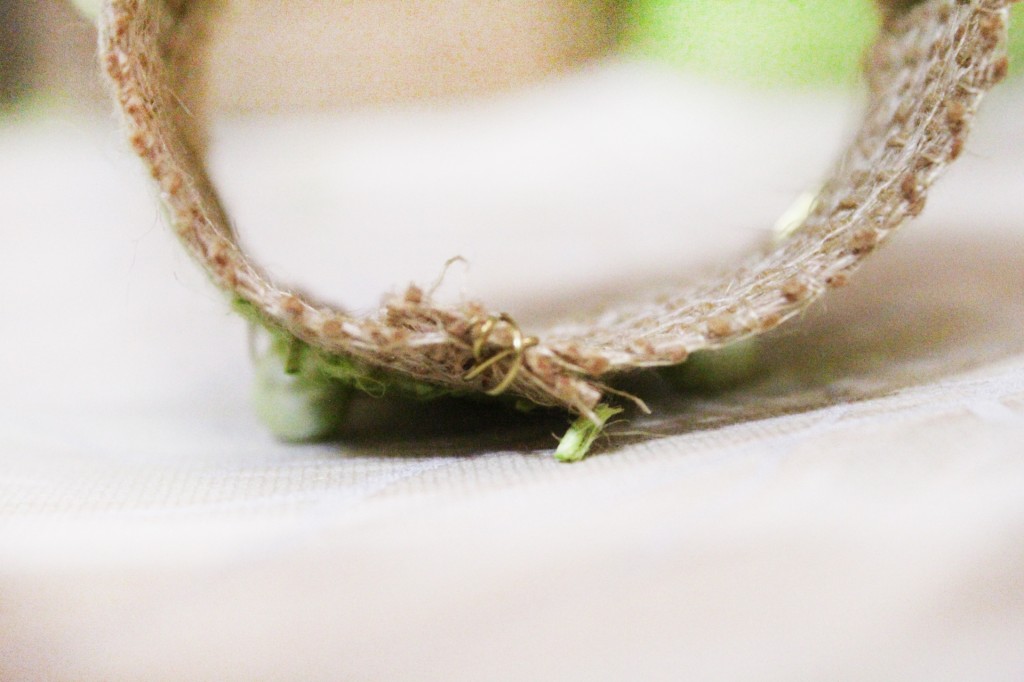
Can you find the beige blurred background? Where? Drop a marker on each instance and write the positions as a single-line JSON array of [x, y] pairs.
[[47, 50], [309, 54], [321, 53], [316, 52]]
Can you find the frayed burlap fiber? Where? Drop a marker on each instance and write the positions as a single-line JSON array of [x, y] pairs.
[[927, 73]]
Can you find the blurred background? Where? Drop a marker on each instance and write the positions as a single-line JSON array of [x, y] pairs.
[[47, 55], [47, 46]]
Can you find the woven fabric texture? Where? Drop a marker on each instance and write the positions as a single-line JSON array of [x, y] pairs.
[[927, 74]]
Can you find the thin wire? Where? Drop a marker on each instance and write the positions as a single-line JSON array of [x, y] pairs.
[[483, 331]]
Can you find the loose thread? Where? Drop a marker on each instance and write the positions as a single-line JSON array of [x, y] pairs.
[[483, 331]]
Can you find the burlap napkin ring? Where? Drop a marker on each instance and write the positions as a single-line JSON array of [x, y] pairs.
[[927, 73]]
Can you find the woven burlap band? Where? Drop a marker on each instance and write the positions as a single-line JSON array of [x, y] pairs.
[[927, 74]]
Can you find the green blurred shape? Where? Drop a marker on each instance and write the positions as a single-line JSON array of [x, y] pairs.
[[1016, 46], [765, 42], [89, 8], [715, 371]]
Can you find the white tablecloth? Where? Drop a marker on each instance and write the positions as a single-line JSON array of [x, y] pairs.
[[855, 512]]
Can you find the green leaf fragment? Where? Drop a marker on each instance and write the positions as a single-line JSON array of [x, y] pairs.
[[711, 371], [302, 392], [580, 437], [294, 401], [293, 361]]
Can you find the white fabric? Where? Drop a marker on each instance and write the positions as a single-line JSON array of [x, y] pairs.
[[856, 512]]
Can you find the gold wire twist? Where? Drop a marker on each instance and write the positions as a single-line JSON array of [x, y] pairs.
[[484, 329]]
